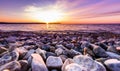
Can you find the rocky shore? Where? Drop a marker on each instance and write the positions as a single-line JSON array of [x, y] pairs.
[[59, 51]]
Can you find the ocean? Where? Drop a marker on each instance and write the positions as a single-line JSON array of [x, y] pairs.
[[61, 27]]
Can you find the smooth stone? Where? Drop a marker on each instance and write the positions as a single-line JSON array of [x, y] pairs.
[[67, 62], [99, 52], [112, 64], [9, 57], [69, 46], [84, 44], [88, 63], [24, 65], [29, 54], [11, 66], [46, 47], [54, 62], [74, 67], [38, 63], [2, 49], [41, 52], [113, 55], [11, 39], [29, 47], [59, 51], [60, 46]]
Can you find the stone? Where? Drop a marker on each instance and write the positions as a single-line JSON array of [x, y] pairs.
[[2, 49], [99, 52], [113, 55], [67, 62], [54, 62], [112, 49], [29, 54], [59, 51], [112, 64], [38, 63], [24, 65], [50, 54], [41, 52], [11, 66], [63, 57], [69, 46], [22, 52], [74, 67], [12, 56], [88, 63]]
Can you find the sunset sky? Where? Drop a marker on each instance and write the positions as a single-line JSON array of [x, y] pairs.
[[64, 11]]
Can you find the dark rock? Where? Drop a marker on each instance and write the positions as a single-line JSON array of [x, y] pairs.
[[50, 54], [2, 49], [29, 54], [24, 65]]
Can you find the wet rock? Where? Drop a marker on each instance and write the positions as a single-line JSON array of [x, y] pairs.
[[41, 52], [38, 63], [2, 49], [29, 54], [54, 62], [112, 64], [59, 51], [88, 63], [113, 55], [11, 66], [24, 65]]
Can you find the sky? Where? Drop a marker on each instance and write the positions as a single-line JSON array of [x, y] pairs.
[[64, 11]]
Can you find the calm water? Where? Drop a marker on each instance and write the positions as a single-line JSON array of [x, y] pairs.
[[59, 27]]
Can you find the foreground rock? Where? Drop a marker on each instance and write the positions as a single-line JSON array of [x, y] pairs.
[[11, 66], [88, 63], [38, 63], [54, 62], [112, 64]]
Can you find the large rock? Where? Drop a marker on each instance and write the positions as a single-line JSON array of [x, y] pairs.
[[88, 63], [38, 63], [74, 67], [54, 62], [9, 57], [112, 64], [59, 51], [11, 66]]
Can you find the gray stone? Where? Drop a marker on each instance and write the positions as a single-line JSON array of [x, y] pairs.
[[29, 54]]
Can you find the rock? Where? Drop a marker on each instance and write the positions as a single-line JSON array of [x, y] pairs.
[[59, 51], [29, 54], [118, 48], [50, 54], [54, 62], [113, 55], [69, 46], [38, 63], [11, 66], [60, 46], [22, 52], [112, 49], [88, 63], [74, 67], [24, 65], [63, 57], [46, 47], [99, 52], [9, 57], [54, 70], [2, 49], [112, 64], [11, 39], [67, 62], [52, 49], [41, 52]]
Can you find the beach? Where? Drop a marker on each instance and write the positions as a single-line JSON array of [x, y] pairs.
[[59, 51]]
